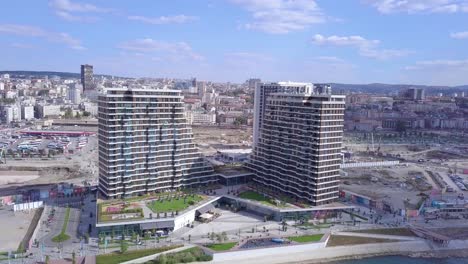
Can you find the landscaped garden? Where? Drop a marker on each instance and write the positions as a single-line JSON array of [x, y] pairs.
[[255, 196], [388, 231], [117, 257], [306, 238], [174, 203], [63, 235], [184, 256], [222, 246], [119, 211], [350, 240]]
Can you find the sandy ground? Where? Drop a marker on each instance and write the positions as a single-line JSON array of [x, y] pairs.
[[11, 177], [208, 139], [73, 168], [14, 227]]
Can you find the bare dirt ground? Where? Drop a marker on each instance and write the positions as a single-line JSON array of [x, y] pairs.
[[14, 227], [208, 139], [12, 177], [73, 168]]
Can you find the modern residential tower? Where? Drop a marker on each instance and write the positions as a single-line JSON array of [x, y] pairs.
[[87, 77], [145, 144], [298, 140]]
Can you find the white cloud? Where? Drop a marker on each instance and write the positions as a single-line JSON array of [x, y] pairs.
[[178, 19], [366, 48], [384, 54], [330, 59], [438, 72], [356, 41], [247, 57], [21, 45], [174, 51], [22, 30], [32, 31], [331, 62], [68, 10], [438, 64], [459, 35], [281, 16], [420, 6], [68, 40]]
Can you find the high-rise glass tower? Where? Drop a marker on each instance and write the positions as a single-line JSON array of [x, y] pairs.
[[145, 144], [87, 77], [298, 134]]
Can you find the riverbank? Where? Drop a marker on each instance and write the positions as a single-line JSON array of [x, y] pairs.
[[436, 253], [414, 249]]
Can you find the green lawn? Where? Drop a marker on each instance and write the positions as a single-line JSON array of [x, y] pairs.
[[349, 240], [251, 195], [184, 256], [116, 258], [63, 236], [307, 238], [222, 247], [388, 231], [174, 204]]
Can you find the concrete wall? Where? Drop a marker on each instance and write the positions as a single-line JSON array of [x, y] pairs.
[[27, 206], [268, 252], [184, 219]]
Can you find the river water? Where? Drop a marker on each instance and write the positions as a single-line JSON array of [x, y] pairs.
[[403, 260]]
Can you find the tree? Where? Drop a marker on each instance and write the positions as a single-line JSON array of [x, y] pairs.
[[240, 120], [189, 237], [86, 114], [123, 246], [112, 236], [162, 259], [73, 258], [224, 236], [47, 259], [78, 115], [212, 236], [68, 113]]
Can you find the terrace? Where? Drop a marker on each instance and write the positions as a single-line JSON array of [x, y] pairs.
[[265, 199], [148, 207]]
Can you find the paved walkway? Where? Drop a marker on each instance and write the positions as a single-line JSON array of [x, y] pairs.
[[355, 234], [328, 253]]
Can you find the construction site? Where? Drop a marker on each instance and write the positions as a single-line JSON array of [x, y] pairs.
[[399, 183]]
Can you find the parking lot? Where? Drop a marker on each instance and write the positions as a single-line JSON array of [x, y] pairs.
[[18, 146]]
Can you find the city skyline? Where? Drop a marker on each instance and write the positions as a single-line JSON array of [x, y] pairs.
[[421, 42]]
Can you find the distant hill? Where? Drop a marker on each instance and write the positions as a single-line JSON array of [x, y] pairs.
[[64, 75], [395, 88], [379, 88]]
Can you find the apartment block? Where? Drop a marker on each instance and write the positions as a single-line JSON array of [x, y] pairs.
[[146, 145], [298, 141]]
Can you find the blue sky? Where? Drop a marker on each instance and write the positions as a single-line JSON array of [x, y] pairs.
[[351, 41]]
